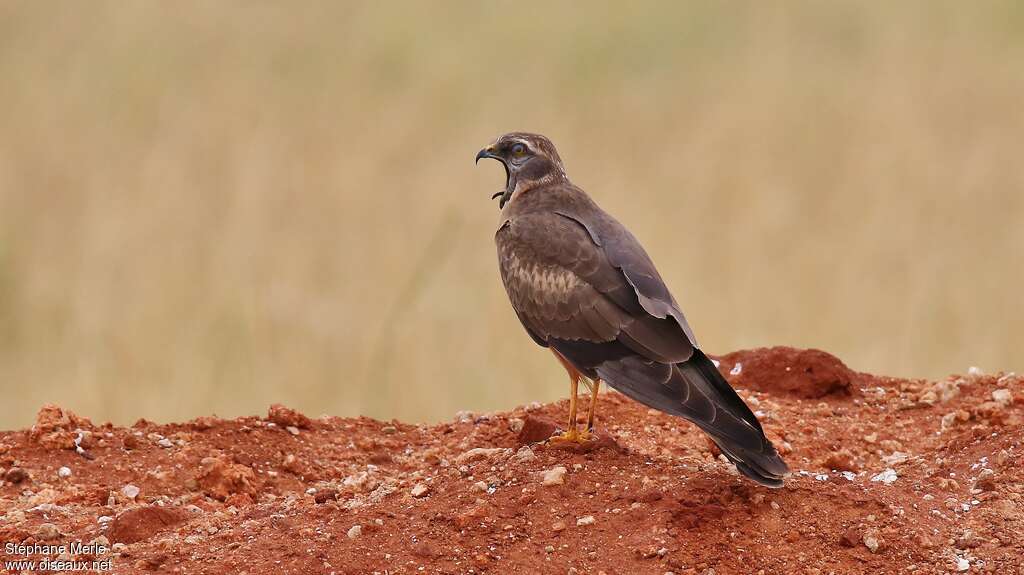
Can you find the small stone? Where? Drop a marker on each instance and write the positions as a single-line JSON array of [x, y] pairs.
[[515, 424], [549, 549], [558, 526], [16, 475], [962, 564], [480, 486], [165, 443], [585, 520], [887, 477], [554, 476], [355, 531], [64, 472], [1002, 396], [419, 490], [283, 416], [535, 429], [130, 491], [482, 453], [873, 541], [292, 429], [47, 532], [985, 480], [389, 429], [118, 547], [524, 454], [324, 495]]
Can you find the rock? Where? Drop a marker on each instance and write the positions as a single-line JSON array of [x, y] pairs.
[[355, 531], [536, 429], [585, 520], [54, 428], [220, 479], [985, 480], [16, 475], [873, 540], [47, 532], [1002, 396], [142, 523], [553, 476], [64, 472], [419, 490], [53, 418], [325, 495], [481, 486], [130, 491], [887, 477], [524, 455], [292, 429], [961, 564], [558, 526], [286, 417], [482, 453]]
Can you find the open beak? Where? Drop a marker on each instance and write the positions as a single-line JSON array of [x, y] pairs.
[[492, 152]]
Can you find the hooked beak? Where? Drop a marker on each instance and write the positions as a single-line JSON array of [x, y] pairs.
[[488, 152], [492, 152]]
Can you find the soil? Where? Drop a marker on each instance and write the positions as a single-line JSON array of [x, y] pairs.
[[889, 476]]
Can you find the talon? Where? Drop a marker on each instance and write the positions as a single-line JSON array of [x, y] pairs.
[[572, 436]]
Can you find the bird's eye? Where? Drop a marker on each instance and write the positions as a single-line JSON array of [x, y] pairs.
[[518, 150]]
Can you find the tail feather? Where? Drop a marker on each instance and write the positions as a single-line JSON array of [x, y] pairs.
[[696, 391]]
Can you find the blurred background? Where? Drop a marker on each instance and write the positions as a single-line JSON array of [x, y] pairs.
[[208, 207]]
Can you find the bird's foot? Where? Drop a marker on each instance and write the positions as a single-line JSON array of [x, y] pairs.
[[573, 436]]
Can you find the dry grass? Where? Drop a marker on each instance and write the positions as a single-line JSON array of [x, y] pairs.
[[212, 206]]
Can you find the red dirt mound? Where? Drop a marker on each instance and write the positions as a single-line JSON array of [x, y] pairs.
[[889, 476]]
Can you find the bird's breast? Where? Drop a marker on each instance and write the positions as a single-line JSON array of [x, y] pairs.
[[530, 281]]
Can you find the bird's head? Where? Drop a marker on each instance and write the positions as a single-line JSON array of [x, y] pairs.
[[529, 159]]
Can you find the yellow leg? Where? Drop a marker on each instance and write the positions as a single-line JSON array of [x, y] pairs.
[[593, 404], [572, 433]]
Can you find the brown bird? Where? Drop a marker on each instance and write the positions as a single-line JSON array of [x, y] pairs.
[[583, 287]]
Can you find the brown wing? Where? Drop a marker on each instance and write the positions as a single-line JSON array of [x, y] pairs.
[[562, 285]]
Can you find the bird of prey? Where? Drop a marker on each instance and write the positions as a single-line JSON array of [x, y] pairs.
[[583, 287]]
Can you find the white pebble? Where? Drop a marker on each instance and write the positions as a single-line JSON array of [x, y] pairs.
[[130, 491], [64, 472], [355, 531], [553, 476], [585, 520], [887, 477], [1002, 396]]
